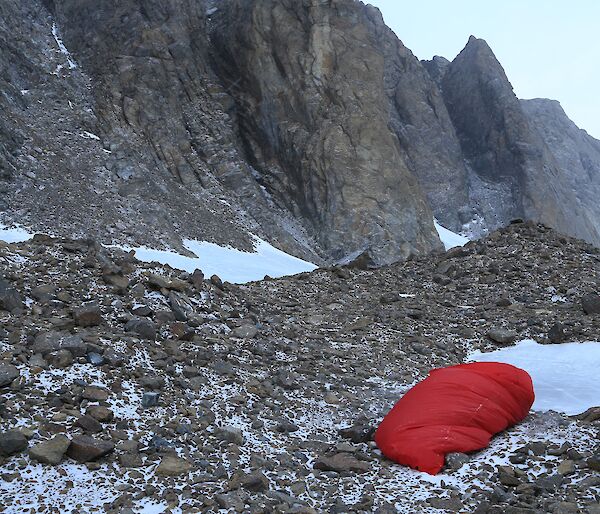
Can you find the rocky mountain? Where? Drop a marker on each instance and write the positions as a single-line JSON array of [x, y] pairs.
[[129, 387], [513, 169], [308, 124]]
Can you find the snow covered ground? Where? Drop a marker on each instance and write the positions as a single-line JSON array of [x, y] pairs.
[[14, 234], [565, 376], [450, 239], [228, 263]]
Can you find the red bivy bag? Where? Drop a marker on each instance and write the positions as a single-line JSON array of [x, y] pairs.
[[455, 409]]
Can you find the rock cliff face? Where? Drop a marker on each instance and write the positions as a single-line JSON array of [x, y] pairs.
[[577, 156], [307, 123], [312, 112], [515, 170]]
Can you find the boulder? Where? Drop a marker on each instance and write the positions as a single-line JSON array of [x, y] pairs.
[[591, 303], [10, 299], [171, 465], [88, 315], [51, 451], [47, 342], [85, 448], [11, 442], [8, 373], [142, 327]]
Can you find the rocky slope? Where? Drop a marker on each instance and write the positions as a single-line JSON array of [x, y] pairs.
[[306, 123], [128, 386]]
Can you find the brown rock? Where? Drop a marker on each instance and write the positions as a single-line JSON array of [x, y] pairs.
[[171, 465], [341, 463], [51, 451], [84, 448]]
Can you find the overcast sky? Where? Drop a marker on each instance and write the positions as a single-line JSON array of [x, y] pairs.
[[548, 48]]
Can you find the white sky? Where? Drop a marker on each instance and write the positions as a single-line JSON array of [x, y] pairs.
[[548, 48]]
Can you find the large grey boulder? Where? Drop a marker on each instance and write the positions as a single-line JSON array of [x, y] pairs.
[[8, 373]]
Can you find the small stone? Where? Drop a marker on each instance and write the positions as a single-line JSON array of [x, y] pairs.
[[231, 435], [60, 359], [556, 334], [131, 460], [502, 335], [84, 448], [256, 482], [51, 451], [116, 280], [245, 332], [446, 504], [114, 358], [285, 426], [358, 433], [89, 424], [566, 467], [8, 373], [161, 282], [594, 462], [142, 327], [100, 413], [150, 399], [590, 415], [216, 281], [47, 342], [44, 293], [197, 279], [456, 460], [181, 306], [591, 303], [171, 465], [565, 508], [95, 393], [10, 299], [11, 442], [341, 463], [152, 382], [231, 502], [88, 315], [507, 476]]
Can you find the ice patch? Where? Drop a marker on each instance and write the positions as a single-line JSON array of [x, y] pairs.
[[14, 235], [228, 263], [63, 49], [450, 239], [89, 135], [564, 375]]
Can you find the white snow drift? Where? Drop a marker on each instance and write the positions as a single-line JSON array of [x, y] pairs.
[[565, 376], [14, 234], [228, 263], [450, 239]]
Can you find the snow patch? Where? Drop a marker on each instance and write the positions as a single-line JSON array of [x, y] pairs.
[[14, 234], [88, 135], [63, 49], [230, 264], [449, 239], [564, 375]]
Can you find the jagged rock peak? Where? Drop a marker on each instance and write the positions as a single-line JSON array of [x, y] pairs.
[[436, 67]]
